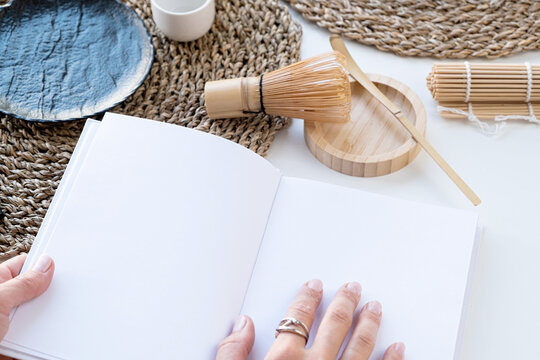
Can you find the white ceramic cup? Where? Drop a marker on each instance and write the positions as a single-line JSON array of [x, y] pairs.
[[183, 20]]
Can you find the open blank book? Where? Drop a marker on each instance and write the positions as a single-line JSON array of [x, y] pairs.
[[163, 235]]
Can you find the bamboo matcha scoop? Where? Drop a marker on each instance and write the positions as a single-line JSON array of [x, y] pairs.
[[357, 73]]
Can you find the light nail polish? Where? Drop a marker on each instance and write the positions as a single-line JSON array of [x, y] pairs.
[[239, 323], [374, 307], [399, 348], [355, 287], [43, 263], [315, 284]]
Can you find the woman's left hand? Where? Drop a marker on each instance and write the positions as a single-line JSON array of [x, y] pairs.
[[16, 289]]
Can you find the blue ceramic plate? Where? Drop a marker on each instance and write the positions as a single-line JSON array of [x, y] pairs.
[[69, 59]]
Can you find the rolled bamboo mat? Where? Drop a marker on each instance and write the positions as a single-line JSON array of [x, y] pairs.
[[485, 82], [486, 92]]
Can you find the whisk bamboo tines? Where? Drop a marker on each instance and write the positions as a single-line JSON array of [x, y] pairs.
[[315, 89]]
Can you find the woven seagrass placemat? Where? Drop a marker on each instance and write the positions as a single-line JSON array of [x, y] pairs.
[[438, 28], [249, 37]]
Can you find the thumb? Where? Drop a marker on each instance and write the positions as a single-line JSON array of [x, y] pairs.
[[238, 345], [26, 286]]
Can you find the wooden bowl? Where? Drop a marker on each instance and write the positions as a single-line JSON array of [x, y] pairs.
[[373, 142]]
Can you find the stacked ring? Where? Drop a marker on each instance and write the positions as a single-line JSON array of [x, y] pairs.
[[293, 326]]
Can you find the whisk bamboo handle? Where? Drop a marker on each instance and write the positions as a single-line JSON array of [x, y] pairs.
[[233, 98]]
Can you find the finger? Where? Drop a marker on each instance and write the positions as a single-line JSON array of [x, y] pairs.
[[11, 268], [237, 346], [363, 338], [26, 286], [337, 321], [395, 352], [303, 308]]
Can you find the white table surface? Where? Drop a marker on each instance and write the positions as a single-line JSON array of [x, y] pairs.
[[503, 319]]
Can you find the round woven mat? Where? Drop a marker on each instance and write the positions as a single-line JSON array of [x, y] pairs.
[[438, 28], [248, 38]]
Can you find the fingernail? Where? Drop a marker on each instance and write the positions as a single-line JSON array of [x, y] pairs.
[[315, 284], [43, 264], [375, 307], [239, 323], [355, 287], [399, 348]]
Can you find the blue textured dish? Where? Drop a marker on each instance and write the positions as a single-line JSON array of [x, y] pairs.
[[70, 59]]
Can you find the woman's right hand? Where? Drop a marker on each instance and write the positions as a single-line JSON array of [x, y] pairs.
[[332, 332]]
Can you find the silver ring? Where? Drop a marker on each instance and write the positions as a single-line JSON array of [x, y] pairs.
[[290, 325]]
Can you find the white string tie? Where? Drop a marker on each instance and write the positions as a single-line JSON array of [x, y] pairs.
[[485, 128], [529, 82], [469, 81], [532, 116]]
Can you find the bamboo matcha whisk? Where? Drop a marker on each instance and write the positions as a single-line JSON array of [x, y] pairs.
[[315, 89]]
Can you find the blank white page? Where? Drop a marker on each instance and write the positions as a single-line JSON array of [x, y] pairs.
[[413, 258], [154, 246]]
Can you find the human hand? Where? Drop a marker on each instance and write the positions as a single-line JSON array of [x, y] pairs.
[[16, 289], [333, 329]]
